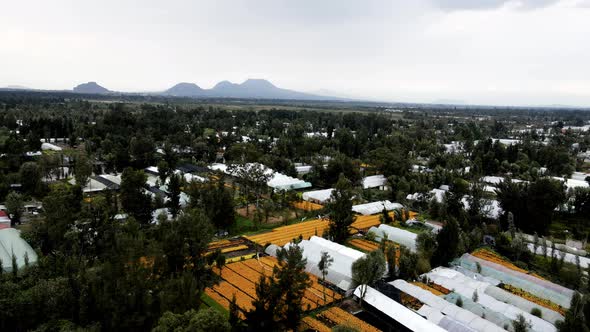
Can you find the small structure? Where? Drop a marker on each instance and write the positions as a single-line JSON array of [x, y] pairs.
[[318, 196], [376, 207], [375, 181], [11, 244]]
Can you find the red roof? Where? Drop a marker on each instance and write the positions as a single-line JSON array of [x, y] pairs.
[[4, 225], [3, 214]]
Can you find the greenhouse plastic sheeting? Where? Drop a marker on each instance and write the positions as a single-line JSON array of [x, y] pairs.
[[398, 235], [12, 244], [375, 207], [320, 196], [569, 258], [479, 310], [524, 304], [340, 271], [374, 181], [461, 315], [536, 286], [497, 293], [465, 287], [404, 316], [560, 246], [447, 323]]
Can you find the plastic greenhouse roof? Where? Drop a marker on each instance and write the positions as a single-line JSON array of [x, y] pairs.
[[539, 287], [340, 271], [398, 235], [465, 287], [375, 207], [570, 258], [461, 315], [397, 312], [374, 181], [11, 243], [318, 195]]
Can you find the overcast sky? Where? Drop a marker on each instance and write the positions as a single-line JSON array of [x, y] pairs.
[[527, 52]]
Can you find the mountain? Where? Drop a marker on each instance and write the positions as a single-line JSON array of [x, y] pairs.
[[251, 88], [91, 88], [16, 87], [185, 90]]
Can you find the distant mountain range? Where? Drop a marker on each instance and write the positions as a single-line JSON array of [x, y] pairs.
[[249, 89], [91, 88]]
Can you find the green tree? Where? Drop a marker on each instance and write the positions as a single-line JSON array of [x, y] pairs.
[[163, 170], [279, 297], [340, 210], [15, 207], [367, 270], [204, 320], [520, 324], [134, 200], [575, 320], [174, 194], [30, 177], [82, 170], [324, 265], [448, 243]]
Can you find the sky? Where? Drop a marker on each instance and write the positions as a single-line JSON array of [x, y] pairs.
[[494, 52]]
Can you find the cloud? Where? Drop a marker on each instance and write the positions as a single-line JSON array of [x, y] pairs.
[[452, 5]]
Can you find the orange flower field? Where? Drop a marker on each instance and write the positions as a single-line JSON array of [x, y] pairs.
[[438, 291], [535, 299], [284, 234], [336, 316], [494, 257], [310, 323], [240, 278], [307, 206]]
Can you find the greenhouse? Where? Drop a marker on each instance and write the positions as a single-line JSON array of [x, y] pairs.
[[12, 244], [340, 271], [375, 207], [397, 235], [451, 310], [539, 287], [318, 196], [402, 315], [507, 305], [567, 257]]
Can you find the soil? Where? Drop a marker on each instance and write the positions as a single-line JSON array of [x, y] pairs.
[[272, 219]]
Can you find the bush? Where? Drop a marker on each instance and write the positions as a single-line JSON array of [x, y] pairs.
[[459, 302], [537, 312]]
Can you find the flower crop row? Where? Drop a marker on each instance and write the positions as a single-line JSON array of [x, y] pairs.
[[533, 298], [336, 316], [310, 323], [495, 258]]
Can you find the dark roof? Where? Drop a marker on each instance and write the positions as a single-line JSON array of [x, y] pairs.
[[190, 168], [157, 191], [108, 183]]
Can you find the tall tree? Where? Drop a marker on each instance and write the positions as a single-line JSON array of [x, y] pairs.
[[279, 297], [15, 206], [340, 210], [575, 320], [82, 170], [30, 177], [367, 270], [174, 194], [324, 265], [163, 170], [448, 243], [134, 199]]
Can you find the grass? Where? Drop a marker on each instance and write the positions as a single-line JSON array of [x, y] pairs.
[[246, 226], [209, 302]]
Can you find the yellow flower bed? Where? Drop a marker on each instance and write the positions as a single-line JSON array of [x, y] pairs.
[[336, 316], [493, 257], [310, 323], [429, 288], [533, 298]]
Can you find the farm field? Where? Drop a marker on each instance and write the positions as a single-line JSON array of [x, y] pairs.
[[336, 316], [240, 278], [284, 234]]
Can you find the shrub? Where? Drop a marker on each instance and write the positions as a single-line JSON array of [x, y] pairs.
[[459, 302], [537, 312]]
